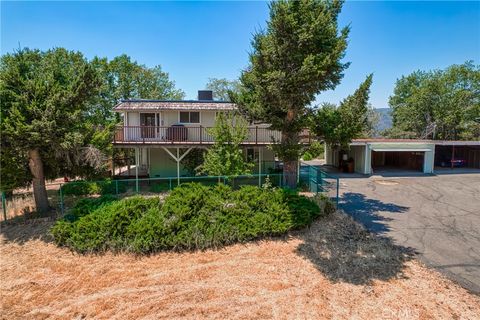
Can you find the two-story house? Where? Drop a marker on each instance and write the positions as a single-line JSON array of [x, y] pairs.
[[164, 132]]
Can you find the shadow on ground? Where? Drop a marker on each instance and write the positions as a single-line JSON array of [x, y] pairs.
[[22, 231], [366, 211], [340, 248], [344, 251]]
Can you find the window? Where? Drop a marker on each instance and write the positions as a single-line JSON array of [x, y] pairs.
[[189, 117], [252, 154]]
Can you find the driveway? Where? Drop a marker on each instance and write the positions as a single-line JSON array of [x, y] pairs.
[[438, 216]]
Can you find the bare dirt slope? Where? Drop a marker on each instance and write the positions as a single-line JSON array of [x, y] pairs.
[[333, 270]]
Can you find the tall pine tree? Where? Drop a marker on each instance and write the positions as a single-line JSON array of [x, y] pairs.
[[295, 58]]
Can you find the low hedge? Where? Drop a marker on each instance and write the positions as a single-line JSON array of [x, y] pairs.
[[93, 187], [192, 216]]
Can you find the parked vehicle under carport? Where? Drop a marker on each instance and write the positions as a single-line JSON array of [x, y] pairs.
[[456, 154]]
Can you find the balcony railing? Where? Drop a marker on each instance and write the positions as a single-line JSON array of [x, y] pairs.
[[187, 135]]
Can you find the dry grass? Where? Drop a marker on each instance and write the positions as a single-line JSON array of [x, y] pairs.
[[333, 270], [22, 204]]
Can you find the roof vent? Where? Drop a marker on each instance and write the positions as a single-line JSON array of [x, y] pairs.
[[205, 95]]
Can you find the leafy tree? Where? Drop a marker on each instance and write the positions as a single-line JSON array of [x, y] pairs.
[[297, 56], [226, 157], [45, 98], [439, 104], [124, 79], [222, 88], [351, 120], [57, 113], [14, 167]]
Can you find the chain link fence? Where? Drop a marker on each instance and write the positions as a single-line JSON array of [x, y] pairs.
[[318, 181], [63, 196]]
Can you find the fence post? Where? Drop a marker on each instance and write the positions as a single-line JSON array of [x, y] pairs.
[[61, 200], [170, 183], [338, 187], [4, 205], [116, 187]]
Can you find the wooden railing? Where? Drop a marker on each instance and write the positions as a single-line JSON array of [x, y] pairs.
[[187, 135]]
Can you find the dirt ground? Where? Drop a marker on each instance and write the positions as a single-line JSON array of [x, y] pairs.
[[335, 270]]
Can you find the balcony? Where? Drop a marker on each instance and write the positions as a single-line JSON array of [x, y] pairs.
[[188, 135]]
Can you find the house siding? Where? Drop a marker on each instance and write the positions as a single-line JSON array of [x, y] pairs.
[[207, 118], [162, 165]]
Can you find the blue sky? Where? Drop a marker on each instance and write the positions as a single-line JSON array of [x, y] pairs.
[[194, 41]]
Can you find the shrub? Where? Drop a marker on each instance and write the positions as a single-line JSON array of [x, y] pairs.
[[314, 151], [159, 187], [80, 188], [193, 216], [104, 187], [307, 156], [106, 227], [324, 203], [87, 205]]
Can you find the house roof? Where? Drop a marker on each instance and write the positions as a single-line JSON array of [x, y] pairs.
[[154, 105]]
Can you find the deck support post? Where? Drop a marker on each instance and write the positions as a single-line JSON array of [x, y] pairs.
[[178, 166], [137, 160], [113, 162], [259, 167], [177, 158]]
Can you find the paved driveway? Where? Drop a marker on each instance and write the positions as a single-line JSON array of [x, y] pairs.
[[438, 216]]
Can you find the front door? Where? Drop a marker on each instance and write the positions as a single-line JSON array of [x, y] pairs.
[[147, 123]]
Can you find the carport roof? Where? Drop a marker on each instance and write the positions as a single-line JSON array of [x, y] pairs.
[[456, 143], [436, 142], [394, 141]]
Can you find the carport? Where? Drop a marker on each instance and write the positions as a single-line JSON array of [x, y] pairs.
[[372, 156], [455, 154], [394, 160]]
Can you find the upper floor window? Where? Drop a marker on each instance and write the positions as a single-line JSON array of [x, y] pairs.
[[189, 117]]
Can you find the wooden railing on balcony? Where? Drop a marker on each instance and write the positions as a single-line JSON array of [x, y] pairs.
[[187, 135]]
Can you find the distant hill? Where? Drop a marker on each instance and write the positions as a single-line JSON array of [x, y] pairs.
[[385, 119]]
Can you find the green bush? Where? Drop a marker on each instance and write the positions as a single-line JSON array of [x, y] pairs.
[[325, 204], [87, 205], [79, 188], [159, 187], [307, 156], [104, 187], [314, 151], [192, 216]]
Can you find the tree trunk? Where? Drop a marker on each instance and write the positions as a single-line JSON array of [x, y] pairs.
[[39, 190], [290, 140], [290, 173]]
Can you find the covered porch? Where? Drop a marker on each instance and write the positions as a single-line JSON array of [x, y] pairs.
[[178, 161]]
